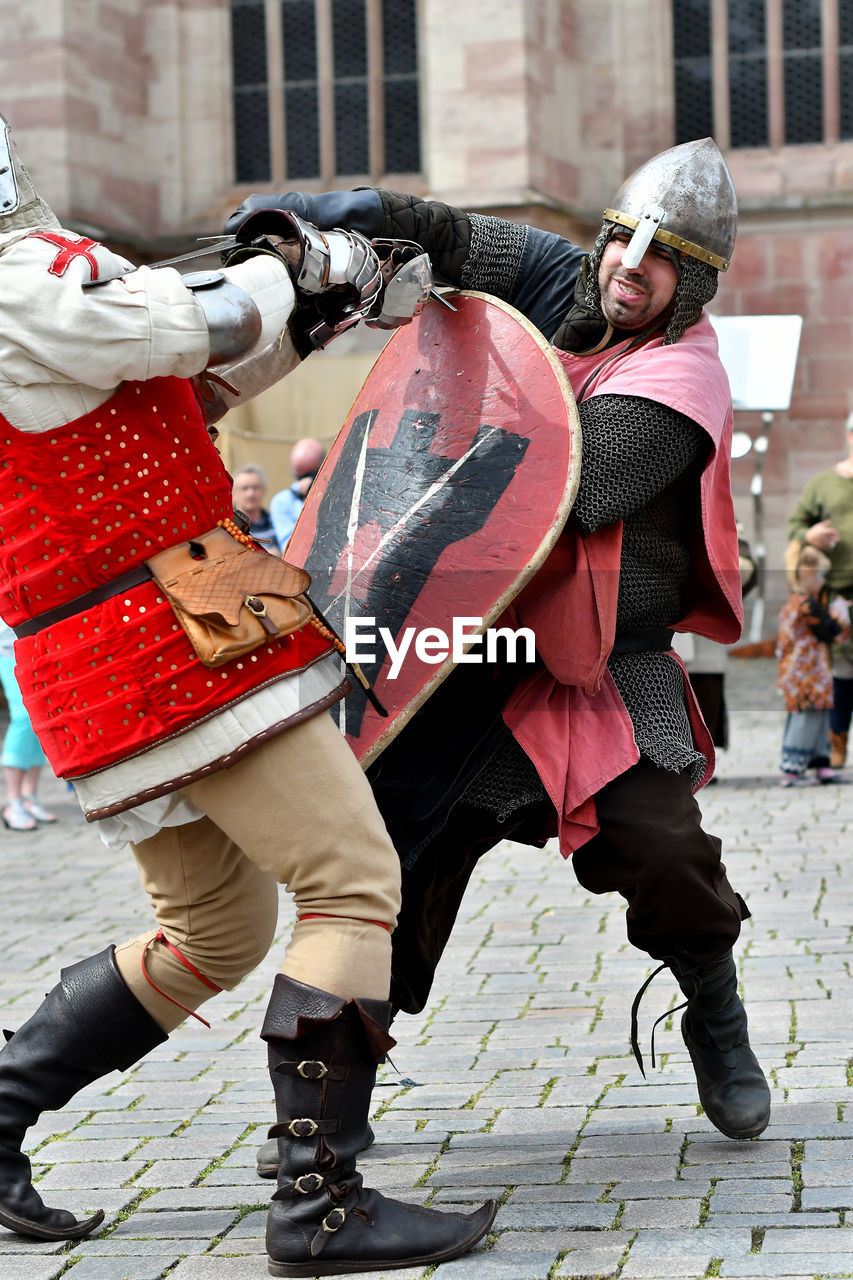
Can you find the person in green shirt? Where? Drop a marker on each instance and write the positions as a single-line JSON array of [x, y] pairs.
[[823, 518]]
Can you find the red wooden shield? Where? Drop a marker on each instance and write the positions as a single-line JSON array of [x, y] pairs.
[[443, 494]]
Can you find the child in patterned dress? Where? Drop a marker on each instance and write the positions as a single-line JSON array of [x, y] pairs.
[[808, 626]]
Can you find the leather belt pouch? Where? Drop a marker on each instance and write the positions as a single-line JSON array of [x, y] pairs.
[[228, 598]]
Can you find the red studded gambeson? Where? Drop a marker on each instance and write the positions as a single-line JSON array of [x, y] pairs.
[[80, 506]]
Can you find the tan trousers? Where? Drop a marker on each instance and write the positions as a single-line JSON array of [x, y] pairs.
[[297, 811]]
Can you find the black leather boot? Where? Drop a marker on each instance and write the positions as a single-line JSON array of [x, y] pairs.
[[88, 1025], [323, 1053], [732, 1087]]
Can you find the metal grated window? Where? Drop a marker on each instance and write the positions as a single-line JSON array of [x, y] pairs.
[[302, 112], [301, 92], [691, 29], [774, 58], [251, 92], [803, 70], [747, 73], [349, 49], [845, 67], [401, 99], [692, 48], [324, 88]]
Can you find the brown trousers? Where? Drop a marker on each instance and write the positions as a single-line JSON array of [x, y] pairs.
[[298, 811]]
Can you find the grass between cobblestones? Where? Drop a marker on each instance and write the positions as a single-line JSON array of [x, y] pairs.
[[797, 1151]]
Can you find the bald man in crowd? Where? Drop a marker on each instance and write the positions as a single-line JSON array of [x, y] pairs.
[[306, 458]]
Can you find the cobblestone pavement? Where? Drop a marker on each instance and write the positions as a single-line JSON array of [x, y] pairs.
[[517, 1083]]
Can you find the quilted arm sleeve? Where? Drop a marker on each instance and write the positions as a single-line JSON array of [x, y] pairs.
[[441, 229]]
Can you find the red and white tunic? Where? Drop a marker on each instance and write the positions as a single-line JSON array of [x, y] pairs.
[[104, 460]]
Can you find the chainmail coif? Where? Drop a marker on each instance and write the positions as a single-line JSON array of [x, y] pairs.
[[697, 284]]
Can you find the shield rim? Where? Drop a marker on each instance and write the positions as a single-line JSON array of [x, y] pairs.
[[401, 719]]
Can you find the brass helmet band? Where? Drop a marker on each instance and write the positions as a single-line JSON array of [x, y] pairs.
[[673, 241]]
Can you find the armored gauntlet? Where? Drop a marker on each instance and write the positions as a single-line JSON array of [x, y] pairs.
[[341, 276], [337, 274]]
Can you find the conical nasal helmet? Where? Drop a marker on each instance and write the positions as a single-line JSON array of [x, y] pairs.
[[21, 207], [683, 197]]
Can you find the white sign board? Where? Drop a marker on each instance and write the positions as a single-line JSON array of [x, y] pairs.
[[759, 353]]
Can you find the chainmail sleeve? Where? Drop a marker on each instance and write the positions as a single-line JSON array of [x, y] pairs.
[[652, 687], [494, 256], [633, 449]]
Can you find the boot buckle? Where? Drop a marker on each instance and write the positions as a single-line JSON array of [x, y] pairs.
[[306, 1183], [312, 1070], [302, 1128], [340, 1218]]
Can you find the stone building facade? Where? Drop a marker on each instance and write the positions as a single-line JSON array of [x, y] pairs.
[[138, 117]]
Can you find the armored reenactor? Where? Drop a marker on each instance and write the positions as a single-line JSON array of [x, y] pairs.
[[193, 734], [602, 742]]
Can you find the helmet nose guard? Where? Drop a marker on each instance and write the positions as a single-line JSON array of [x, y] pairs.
[[683, 197]]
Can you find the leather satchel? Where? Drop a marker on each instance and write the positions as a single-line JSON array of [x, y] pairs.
[[230, 599]]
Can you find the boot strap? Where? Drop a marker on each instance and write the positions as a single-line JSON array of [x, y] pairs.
[[311, 1069], [333, 1222], [303, 1127], [305, 1185]]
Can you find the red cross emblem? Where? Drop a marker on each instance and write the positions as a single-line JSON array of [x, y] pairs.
[[69, 249]]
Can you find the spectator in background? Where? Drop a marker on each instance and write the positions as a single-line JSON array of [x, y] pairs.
[[22, 756], [809, 625], [306, 458], [250, 489], [823, 518]]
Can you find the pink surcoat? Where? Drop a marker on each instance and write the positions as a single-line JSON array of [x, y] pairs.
[[569, 717]]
